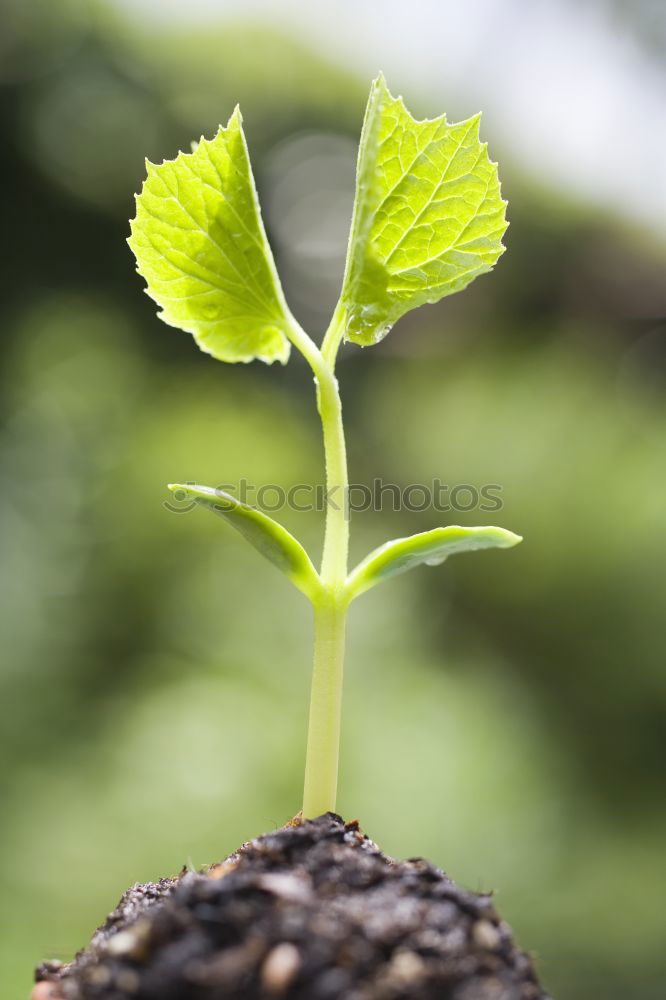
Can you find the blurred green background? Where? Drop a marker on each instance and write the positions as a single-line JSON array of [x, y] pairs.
[[505, 714]]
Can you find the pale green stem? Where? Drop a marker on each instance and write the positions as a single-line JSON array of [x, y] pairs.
[[336, 537], [336, 532], [321, 761], [334, 335], [330, 606]]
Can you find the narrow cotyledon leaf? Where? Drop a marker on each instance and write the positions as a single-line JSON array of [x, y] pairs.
[[266, 535], [428, 215], [428, 547]]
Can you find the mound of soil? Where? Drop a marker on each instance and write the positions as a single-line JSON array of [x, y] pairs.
[[310, 912]]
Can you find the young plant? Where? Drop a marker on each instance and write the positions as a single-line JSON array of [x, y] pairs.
[[428, 218]]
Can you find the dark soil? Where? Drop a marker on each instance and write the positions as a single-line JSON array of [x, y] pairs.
[[310, 912]]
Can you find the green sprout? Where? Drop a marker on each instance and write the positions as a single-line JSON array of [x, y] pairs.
[[428, 218]]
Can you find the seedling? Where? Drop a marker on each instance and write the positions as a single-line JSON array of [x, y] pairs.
[[428, 218]]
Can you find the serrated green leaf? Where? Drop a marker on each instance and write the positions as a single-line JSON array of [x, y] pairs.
[[429, 547], [201, 246], [428, 215], [266, 535]]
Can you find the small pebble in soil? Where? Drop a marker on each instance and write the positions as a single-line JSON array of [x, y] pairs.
[[280, 968], [313, 911]]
